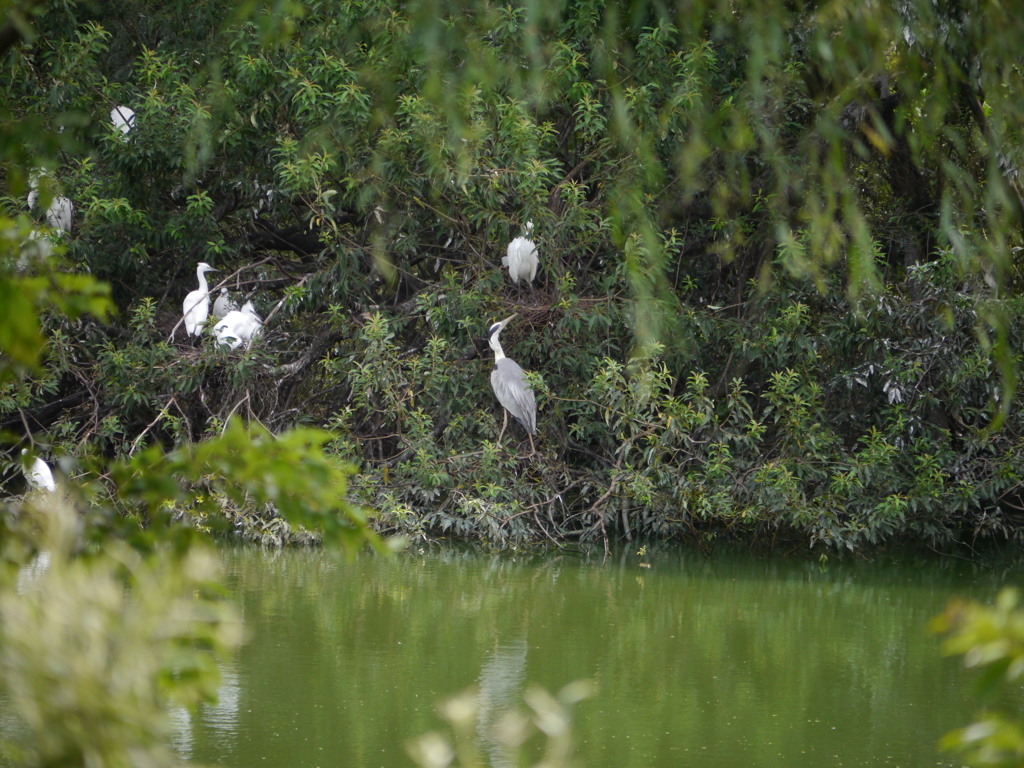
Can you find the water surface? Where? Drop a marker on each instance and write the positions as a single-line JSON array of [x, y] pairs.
[[734, 661]]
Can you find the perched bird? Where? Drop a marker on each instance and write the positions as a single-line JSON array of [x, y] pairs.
[[239, 326], [123, 119], [223, 304], [39, 476], [33, 186], [511, 387], [522, 259], [60, 214], [196, 307]]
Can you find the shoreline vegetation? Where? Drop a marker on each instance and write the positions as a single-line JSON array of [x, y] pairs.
[[778, 253]]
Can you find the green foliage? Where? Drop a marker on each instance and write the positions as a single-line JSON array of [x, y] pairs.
[[96, 647], [779, 249], [991, 640]]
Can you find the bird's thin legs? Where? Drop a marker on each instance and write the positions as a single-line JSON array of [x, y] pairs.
[[504, 422], [533, 449]]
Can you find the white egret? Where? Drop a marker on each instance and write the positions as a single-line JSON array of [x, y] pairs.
[[511, 387], [522, 259], [239, 326], [123, 119], [61, 214], [196, 307], [223, 304], [38, 474], [33, 186]]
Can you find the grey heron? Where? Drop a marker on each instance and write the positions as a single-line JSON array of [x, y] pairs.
[[511, 387], [238, 326], [38, 474], [196, 307], [522, 259]]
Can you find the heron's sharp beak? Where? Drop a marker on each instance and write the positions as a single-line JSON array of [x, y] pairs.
[[505, 321]]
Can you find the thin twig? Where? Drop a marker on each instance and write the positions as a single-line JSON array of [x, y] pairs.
[[163, 412]]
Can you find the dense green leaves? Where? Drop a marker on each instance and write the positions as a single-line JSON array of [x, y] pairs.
[[778, 250]]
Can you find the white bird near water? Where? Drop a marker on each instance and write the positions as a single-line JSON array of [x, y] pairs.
[[196, 307], [239, 326], [522, 259], [223, 304], [123, 119], [39, 476], [511, 387]]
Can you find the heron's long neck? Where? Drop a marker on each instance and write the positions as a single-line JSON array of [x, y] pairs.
[[202, 281], [495, 344]]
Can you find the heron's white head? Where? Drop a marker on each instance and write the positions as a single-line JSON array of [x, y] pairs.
[[529, 227], [492, 336], [495, 329]]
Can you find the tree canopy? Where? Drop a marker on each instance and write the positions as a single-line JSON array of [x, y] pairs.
[[778, 250]]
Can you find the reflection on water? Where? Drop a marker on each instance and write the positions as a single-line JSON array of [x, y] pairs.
[[734, 661], [499, 691], [181, 731], [219, 719]]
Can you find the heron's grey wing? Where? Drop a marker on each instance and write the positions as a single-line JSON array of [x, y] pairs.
[[513, 392]]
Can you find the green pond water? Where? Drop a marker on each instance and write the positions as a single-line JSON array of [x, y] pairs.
[[733, 661]]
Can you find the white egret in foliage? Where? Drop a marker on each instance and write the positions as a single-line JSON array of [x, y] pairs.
[[223, 304], [240, 326], [38, 474], [123, 119], [33, 186], [522, 259], [196, 307], [511, 387], [60, 214]]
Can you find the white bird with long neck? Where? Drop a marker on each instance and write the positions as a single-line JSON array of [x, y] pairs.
[[522, 260], [511, 387], [196, 307], [239, 326], [38, 474]]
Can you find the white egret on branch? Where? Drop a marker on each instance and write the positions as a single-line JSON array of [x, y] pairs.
[[123, 119], [223, 304], [38, 474], [522, 259], [511, 387], [239, 326], [196, 307]]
